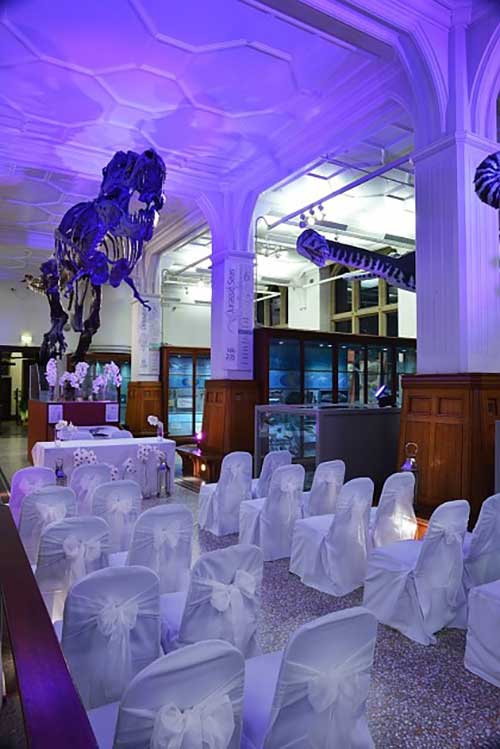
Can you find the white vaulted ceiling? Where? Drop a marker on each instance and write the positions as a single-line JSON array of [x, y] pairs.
[[213, 86]]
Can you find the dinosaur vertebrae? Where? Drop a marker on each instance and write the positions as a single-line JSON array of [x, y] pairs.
[[487, 180]]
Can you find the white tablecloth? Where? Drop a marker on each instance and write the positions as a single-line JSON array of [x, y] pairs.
[[112, 451]]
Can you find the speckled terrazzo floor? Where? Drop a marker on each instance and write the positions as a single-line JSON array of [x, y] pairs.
[[420, 697]]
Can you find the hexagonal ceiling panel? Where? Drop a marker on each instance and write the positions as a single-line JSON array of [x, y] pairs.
[[212, 85]]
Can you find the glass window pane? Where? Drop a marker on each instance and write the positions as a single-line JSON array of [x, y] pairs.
[[392, 323], [351, 382], [284, 372], [180, 394], [368, 293], [318, 372], [275, 305], [368, 324], [202, 375], [343, 295], [343, 326], [391, 294], [406, 363], [379, 370]]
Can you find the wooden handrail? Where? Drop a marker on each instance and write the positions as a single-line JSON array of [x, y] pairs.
[[54, 716]]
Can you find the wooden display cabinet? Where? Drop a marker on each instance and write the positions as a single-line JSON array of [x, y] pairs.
[[296, 367], [183, 373]]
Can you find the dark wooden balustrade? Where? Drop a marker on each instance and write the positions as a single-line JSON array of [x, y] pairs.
[[54, 717]]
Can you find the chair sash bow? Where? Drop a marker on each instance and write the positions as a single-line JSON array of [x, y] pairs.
[[50, 513], [79, 552], [230, 596], [210, 723], [115, 621]]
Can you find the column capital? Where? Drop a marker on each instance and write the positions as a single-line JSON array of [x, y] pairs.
[[457, 139]]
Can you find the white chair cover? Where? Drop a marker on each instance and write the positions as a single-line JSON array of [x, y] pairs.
[[69, 435], [111, 630], [190, 699], [321, 689], [220, 502], [482, 556], [68, 551], [223, 601], [162, 541], [50, 504], [395, 517], [119, 503], [336, 562], [26, 481], [273, 460], [84, 479], [482, 653], [269, 522], [416, 586], [327, 483]]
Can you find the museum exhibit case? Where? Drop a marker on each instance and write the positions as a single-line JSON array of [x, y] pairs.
[[363, 436], [298, 367], [183, 373]]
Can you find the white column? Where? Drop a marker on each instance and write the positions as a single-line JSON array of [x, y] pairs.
[[146, 338], [232, 316], [458, 274], [230, 216]]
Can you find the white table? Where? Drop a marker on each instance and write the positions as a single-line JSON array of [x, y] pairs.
[[112, 451]]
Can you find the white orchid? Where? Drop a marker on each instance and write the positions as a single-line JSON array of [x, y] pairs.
[[153, 420]]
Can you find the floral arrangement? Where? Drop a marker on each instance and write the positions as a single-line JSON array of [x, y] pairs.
[[154, 421], [81, 370], [70, 378], [160, 456], [128, 466], [51, 373], [114, 472], [82, 456], [143, 453], [61, 424], [98, 383], [112, 374]]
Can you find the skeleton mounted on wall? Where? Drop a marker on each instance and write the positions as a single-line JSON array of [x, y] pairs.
[[100, 242], [398, 271]]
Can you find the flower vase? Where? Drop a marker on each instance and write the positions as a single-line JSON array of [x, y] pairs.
[[146, 491], [52, 393], [159, 431]]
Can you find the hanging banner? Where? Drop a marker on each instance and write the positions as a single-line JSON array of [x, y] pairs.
[[238, 313]]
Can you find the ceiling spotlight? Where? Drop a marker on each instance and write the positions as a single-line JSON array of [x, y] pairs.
[[311, 220], [302, 223]]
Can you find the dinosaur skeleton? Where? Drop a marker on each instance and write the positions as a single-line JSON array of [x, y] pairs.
[[99, 242], [398, 271]]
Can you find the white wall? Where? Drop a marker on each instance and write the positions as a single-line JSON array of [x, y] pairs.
[[304, 303], [186, 323], [23, 311], [407, 314]]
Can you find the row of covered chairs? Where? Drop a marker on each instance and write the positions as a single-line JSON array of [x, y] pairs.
[[75, 546], [118, 502], [84, 479], [111, 632], [220, 502], [311, 694]]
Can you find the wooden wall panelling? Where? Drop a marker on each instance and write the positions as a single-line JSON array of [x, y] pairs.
[[143, 399], [452, 419], [228, 416]]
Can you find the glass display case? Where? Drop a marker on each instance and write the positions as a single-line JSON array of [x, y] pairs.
[[318, 372], [184, 372], [284, 372], [295, 367], [97, 361], [365, 437]]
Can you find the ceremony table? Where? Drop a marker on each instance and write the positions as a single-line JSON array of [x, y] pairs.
[[112, 451]]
